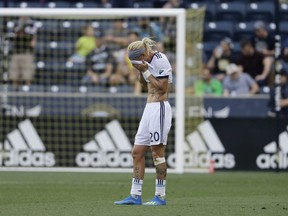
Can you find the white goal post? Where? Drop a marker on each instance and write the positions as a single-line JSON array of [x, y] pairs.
[[179, 14]]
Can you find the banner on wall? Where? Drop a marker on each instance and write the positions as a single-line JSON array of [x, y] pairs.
[[232, 144], [49, 105]]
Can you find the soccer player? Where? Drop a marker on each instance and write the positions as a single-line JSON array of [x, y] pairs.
[[156, 75]]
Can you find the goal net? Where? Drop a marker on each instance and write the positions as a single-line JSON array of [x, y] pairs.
[[70, 99]]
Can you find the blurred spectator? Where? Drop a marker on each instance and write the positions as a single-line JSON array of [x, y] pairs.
[[263, 41], [100, 66], [125, 72], [116, 36], [221, 57], [284, 96], [284, 56], [168, 25], [105, 4], [148, 28], [207, 85], [22, 67], [238, 83], [84, 45], [174, 4], [255, 63]]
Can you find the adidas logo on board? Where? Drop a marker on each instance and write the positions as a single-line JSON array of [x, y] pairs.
[[109, 148], [24, 147]]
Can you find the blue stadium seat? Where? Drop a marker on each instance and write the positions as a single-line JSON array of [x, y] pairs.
[[54, 49], [74, 73], [237, 48], [71, 29], [57, 4], [283, 9], [245, 30], [32, 88], [146, 4], [216, 31], [21, 4], [47, 27], [233, 11], [50, 72], [73, 24], [61, 88], [209, 12], [86, 4], [123, 89], [208, 47], [283, 29], [94, 89], [260, 11]]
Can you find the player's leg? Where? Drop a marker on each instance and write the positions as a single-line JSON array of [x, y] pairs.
[[158, 154], [28, 68], [159, 128], [138, 153], [14, 72]]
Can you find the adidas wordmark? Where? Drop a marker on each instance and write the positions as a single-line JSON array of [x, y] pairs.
[[24, 147], [109, 148]]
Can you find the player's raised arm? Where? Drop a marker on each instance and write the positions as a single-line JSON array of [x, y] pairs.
[[154, 67]]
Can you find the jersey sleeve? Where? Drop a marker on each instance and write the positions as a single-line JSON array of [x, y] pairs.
[[162, 69]]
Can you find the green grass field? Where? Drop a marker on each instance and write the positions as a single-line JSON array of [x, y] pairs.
[[221, 193]]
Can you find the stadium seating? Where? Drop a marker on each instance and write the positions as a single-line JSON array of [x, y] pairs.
[[234, 11], [47, 27], [223, 18], [283, 29], [260, 11], [122, 89], [209, 46], [85, 4], [57, 4], [283, 9], [209, 9], [50, 71], [215, 31], [144, 4], [237, 48], [24, 4], [243, 30]]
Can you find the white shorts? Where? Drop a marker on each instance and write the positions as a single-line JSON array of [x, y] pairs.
[[155, 124]]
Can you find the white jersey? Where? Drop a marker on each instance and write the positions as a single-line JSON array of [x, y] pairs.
[[160, 67]]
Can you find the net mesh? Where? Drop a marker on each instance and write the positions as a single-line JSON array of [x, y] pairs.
[[193, 105], [69, 96]]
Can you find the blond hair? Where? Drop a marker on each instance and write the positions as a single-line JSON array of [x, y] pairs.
[[146, 43]]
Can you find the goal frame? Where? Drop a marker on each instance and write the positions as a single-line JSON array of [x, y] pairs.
[[180, 15]]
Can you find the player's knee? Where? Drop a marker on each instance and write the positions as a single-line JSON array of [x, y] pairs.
[[159, 160], [136, 154]]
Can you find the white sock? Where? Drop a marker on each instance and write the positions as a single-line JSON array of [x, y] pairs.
[[136, 188], [160, 188]]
